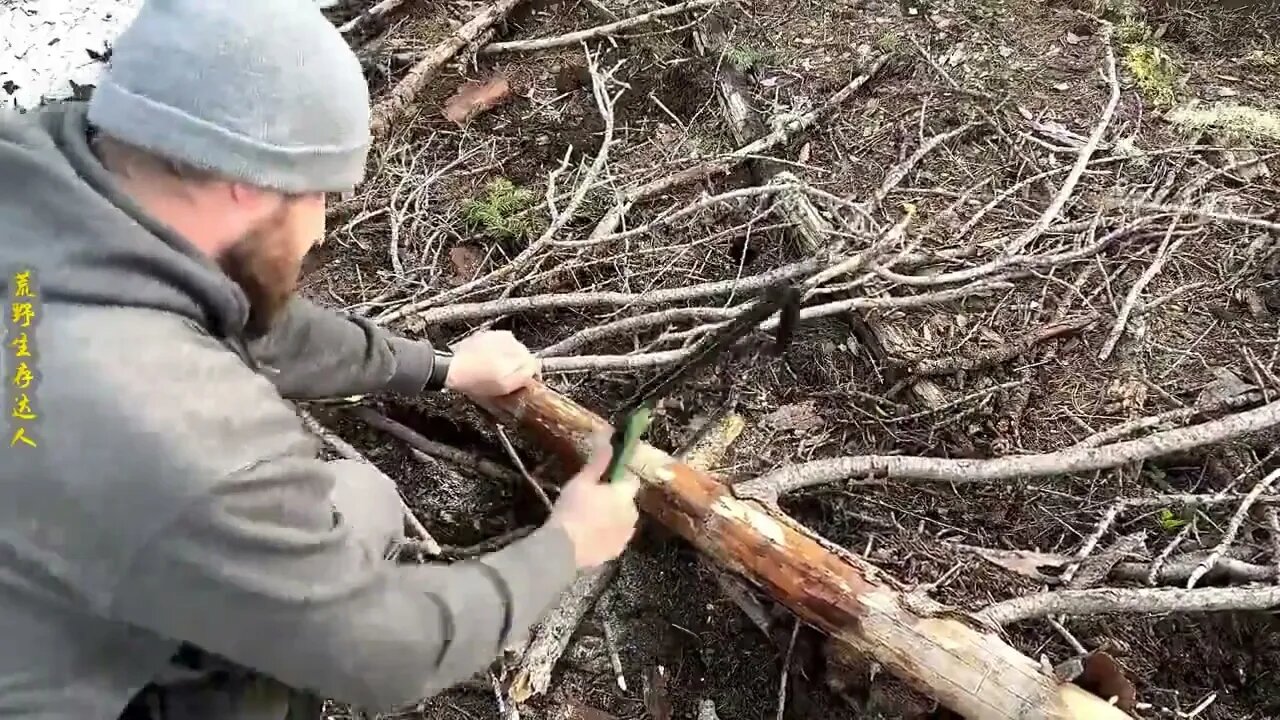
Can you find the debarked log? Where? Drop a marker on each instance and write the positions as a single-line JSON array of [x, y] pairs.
[[964, 665]]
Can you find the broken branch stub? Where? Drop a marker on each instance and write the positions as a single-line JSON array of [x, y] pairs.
[[970, 670]]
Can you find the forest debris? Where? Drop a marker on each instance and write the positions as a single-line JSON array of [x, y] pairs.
[[348, 451], [827, 587], [1104, 677], [574, 38], [1093, 570], [475, 97], [1003, 353], [767, 488], [416, 440], [796, 417], [465, 260], [1105, 601], [387, 111], [374, 13], [1045, 567], [1233, 527]]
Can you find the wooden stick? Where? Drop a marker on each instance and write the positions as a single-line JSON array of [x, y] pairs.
[[968, 669], [768, 487], [368, 17], [614, 28], [390, 109], [1102, 601]]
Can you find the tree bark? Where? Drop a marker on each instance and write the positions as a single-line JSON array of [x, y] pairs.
[[943, 654]]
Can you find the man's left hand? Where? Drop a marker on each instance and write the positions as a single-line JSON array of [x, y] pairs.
[[491, 364]]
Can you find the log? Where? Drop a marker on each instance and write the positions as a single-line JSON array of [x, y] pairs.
[[967, 667]]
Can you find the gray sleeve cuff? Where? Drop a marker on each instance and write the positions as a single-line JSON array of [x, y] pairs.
[[415, 360]]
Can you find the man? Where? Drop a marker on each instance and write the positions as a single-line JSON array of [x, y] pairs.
[[170, 544]]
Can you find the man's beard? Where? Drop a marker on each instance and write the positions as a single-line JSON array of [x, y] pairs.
[[261, 265]]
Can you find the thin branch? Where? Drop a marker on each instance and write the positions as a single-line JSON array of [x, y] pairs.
[[374, 13], [769, 487], [434, 449], [1105, 601], [1233, 527], [613, 28], [656, 359], [524, 472], [1064, 193], [1169, 418], [900, 171], [1167, 248]]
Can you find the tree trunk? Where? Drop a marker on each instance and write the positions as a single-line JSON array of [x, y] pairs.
[[943, 654]]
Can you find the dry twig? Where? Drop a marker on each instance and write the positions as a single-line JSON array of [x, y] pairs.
[[1104, 601], [767, 488], [1233, 527], [610, 29]]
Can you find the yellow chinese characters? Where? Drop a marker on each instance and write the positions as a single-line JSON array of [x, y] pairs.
[[22, 380]]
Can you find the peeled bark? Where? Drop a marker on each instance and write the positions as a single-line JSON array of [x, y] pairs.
[[943, 654]]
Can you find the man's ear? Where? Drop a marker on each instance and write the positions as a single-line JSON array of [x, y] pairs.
[[253, 201]]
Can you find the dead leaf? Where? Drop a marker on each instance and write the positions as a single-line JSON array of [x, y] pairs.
[[475, 97], [1106, 678], [1073, 39], [796, 417], [465, 261], [1044, 567]]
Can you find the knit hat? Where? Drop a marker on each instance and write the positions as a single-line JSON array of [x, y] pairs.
[[265, 92]]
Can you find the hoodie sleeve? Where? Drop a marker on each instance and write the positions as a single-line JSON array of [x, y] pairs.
[[314, 352], [266, 575]]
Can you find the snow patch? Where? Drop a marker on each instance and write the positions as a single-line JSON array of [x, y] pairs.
[[48, 47]]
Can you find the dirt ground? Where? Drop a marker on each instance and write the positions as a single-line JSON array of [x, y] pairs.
[[446, 205]]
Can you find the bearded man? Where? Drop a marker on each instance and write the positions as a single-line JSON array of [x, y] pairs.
[[171, 544]]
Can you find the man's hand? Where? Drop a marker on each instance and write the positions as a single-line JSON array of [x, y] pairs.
[[491, 364], [599, 518]]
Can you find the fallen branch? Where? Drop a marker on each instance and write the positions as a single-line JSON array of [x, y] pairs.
[[1003, 353], [373, 14], [971, 671], [655, 359], [574, 38], [348, 451], [1068, 188], [768, 488], [1107, 601], [1166, 250], [438, 450], [784, 131], [1233, 527], [396, 102], [1169, 418]]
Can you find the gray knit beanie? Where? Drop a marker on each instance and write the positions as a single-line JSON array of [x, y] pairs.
[[265, 91]]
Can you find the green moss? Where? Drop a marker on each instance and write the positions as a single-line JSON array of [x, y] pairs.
[[1236, 123], [498, 213], [888, 42], [747, 58], [1153, 71]]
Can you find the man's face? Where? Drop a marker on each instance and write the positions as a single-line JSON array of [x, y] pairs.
[[267, 260]]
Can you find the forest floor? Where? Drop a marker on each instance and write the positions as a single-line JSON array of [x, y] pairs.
[[1065, 219]]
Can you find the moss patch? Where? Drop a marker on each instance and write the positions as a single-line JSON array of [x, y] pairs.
[[1154, 72], [1234, 122]]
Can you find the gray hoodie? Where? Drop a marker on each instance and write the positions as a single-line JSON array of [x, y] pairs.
[[174, 499]]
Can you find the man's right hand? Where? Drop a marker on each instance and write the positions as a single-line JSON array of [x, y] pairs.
[[599, 518]]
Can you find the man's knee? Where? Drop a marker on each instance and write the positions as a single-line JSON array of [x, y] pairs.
[[369, 503]]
